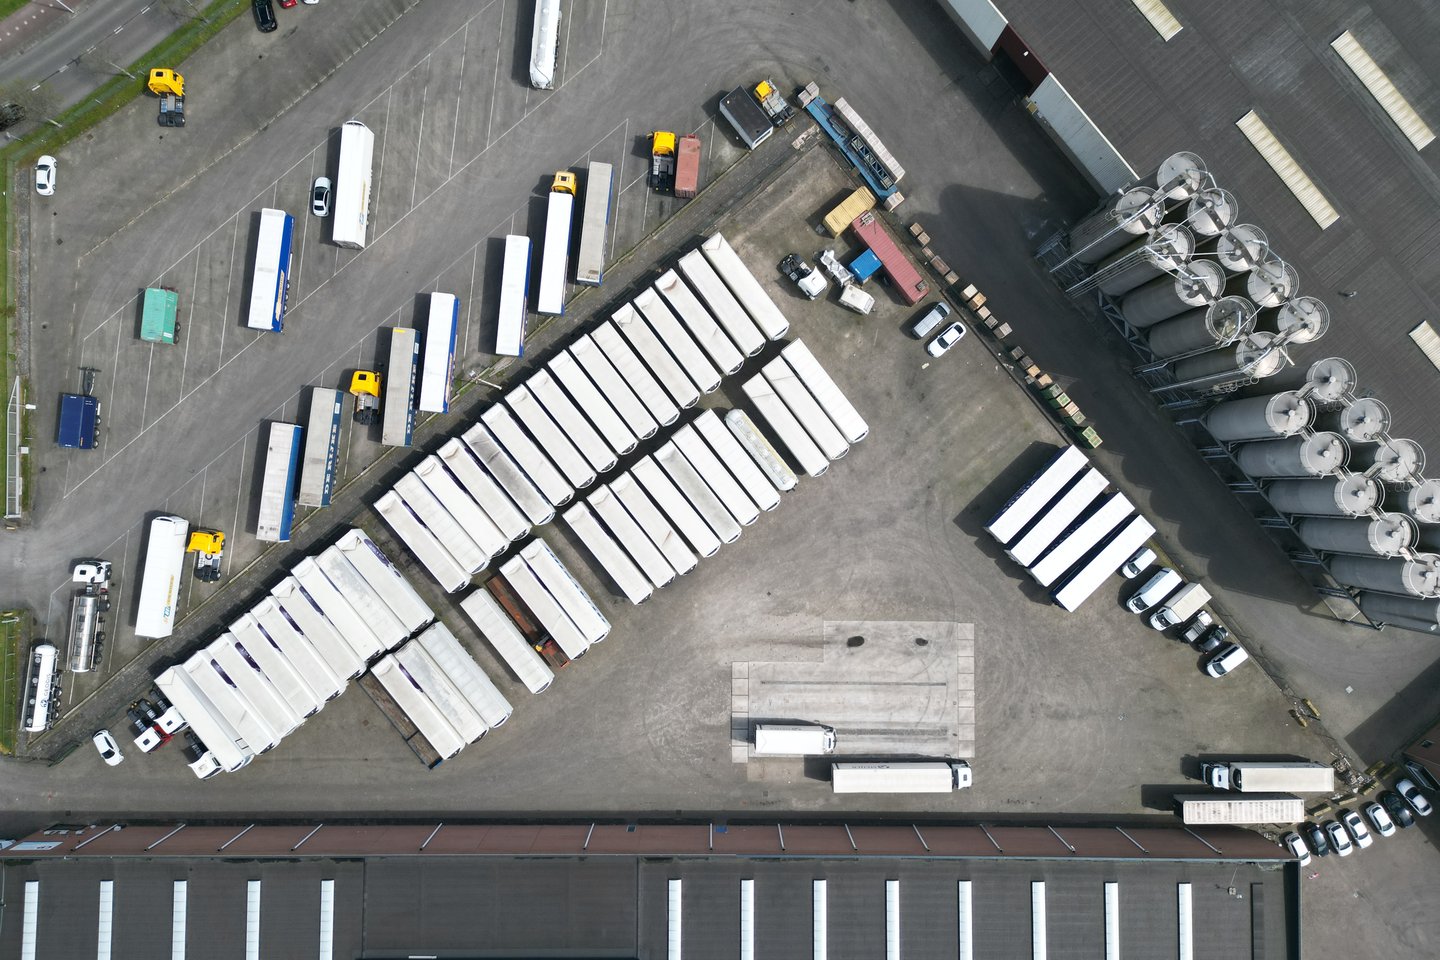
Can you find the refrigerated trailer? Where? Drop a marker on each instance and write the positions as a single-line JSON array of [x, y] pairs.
[[676, 507], [397, 421], [682, 346], [254, 731], [296, 607], [159, 597], [637, 503], [270, 279], [347, 622], [1078, 586], [594, 224], [1081, 538], [300, 650], [900, 776], [264, 655], [1286, 776], [555, 577], [352, 185], [546, 609], [507, 641], [568, 418], [716, 476], [698, 322], [631, 536], [555, 261], [537, 467], [498, 464], [277, 486], [1210, 809], [722, 303], [453, 705], [544, 44], [826, 392], [416, 704], [206, 721], [1056, 519], [698, 492], [806, 410], [777, 414], [462, 670], [322, 447], [483, 489], [438, 368], [248, 680], [647, 345], [385, 578], [452, 539], [1036, 494], [514, 297], [465, 511], [362, 597], [549, 436], [635, 374], [577, 383], [613, 386], [620, 568], [745, 287], [757, 486]]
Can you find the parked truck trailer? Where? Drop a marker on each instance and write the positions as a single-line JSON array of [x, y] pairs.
[[1210, 809], [1264, 776]]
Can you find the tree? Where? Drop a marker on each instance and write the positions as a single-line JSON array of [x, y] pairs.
[[20, 99], [101, 55], [184, 10]]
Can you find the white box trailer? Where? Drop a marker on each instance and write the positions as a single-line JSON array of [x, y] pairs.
[[556, 578], [900, 776], [1276, 776], [1037, 492], [568, 418], [793, 739], [352, 185], [507, 473], [537, 467], [805, 408], [761, 453], [417, 705], [159, 600], [309, 661], [253, 729], [472, 682], [722, 303], [657, 358], [647, 516], [322, 447], [547, 610], [386, 578], [776, 413], [682, 346], [676, 507], [588, 398], [258, 649], [507, 641], [305, 613], [636, 375], [1048, 527], [437, 372], [745, 287], [514, 297], [604, 375], [483, 489], [698, 492], [1082, 537], [594, 224], [452, 704], [1212, 809], [452, 537], [206, 721], [555, 265], [278, 483], [459, 504], [252, 684], [419, 540], [1076, 588], [361, 596], [551, 439], [397, 417], [716, 476], [826, 392], [720, 440], [698, 322], [631, 537], [612, 559]]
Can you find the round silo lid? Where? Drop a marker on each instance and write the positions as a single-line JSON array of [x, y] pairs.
[[1305, 319], [1138, 210], [1181, 175], [1365, 419], [1202, 282], [1398, 460], [1288, 412], [1422, 501], [1272, 282], [1241, 247], [1210, 211], [1259, 355], [1422, 574], [1230, 318], [1323, 451], [1330, 379], [1392, 532], [1357, 494], [1170, 247]]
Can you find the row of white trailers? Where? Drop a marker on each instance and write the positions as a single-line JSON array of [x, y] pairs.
[[1066, 531]]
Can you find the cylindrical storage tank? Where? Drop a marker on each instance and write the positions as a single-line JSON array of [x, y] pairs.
[[1395, 460], [1270, 284], [1165, 297], [1241, 247], [1302, 319], [1210, 212], [1428, 537], [1132, 214], [1224, 321], [1362, 421], [1259, 418], [1419, 577], [1346, 495], [1181, 175], [1315, 455], [1383, 536], [1255, 356], [1412, 613], [1422, 501], [1166, 251]]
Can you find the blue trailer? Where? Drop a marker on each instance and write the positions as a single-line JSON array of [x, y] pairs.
[[322, 447], [79, 415], [277, 487]]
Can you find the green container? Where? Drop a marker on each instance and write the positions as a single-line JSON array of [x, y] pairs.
[[157, 322]]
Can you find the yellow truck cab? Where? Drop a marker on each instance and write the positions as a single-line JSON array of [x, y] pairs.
[[164, 80], [564, 182]]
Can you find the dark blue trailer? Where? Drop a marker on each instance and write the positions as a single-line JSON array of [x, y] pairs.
[[79, 415]]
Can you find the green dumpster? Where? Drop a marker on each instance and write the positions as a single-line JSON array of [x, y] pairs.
[[157, 322]]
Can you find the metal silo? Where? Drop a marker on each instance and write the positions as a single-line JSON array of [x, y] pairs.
[[1344, 495], [1269, 284], [1198, 285], [1259, 418], [1383, 536], [1181, 175], [1241, 247], [1417, 577], [1126, 217], [1363, 420], [1211, 211], [1312, 455], [1256, 357], [1301, 320], [1393, 460], [1412, 613], [1422, 501], [1330, 380], [1429, 537], [1169, 249], [1224, 321]]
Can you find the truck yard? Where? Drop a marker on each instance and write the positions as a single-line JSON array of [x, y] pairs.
[[871, 600]]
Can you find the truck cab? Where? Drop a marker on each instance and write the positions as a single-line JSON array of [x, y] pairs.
[[209, 549], [662, 160]]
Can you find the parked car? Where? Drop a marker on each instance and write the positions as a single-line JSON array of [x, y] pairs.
[[1379, 819], [287, 4], [1338, 838], [1226, 659], [264, 12], [1398, 809], [932, 319], [45, 170], [1413, 796], [104, 742], [1356, 825], [1214, 640], [948, 337], [320, 197], [1157, 588], [810, 281], [1140, 561], [1296, 846], [1316, 837], [1197, 627]]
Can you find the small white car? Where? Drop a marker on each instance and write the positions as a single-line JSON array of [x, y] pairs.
[[1225, 660], [1339, 839], [320, 197], [1413, 796], [1379, 819], [45, 170], [109, 750], [948, 337], [1296, 846], [1140, 561], [1356, 825]]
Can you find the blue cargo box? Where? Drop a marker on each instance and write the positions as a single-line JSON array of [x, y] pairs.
[[864, 266], [78, 416]]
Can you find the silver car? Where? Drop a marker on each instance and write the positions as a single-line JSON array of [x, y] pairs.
[[932, 319]]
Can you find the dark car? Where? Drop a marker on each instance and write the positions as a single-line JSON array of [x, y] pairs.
[[1315, 834], [1213, 640], [1398, 809], [264, 15]]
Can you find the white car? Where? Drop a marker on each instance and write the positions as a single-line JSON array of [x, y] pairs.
[[1356, 825], [948, 337], [1297, 847], [1379, 819], [109, 750], [320, 197], [1142, 560], [1413, 796], [45, 169], [1339, 839]]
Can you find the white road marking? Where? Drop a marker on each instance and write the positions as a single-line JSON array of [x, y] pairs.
[[495, 82], [470, 301], [420, 135], [459, 96], [240, 493], [185, 328]]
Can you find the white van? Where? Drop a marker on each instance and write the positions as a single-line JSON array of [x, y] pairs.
[[793, 740], [1157, 588]]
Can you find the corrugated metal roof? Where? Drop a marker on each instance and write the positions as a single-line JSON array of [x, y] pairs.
[[1428, 341], [1368, 72], [1285, 167], [1159, 16]]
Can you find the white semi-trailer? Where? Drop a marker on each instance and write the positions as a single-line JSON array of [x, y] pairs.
[[826, 392], [900, 776], [253, 729], [657, 358], [257, 649], [386, 578], [555, 577], [462, 670], [422, 542], [507, 641], [1277, 776], [598, 410], [722, 303], [677, 509], [698, 322], [740, 464], [568, 418], [304, 654], [687, 439], [452, 704], [410, 697], [793, 739], [538, 468], [1210, 809], [305, 613], [363, 597], [747, 289], [777, 414], [461, 506], [507, 473], [662, 533], [635, 541], [552, 439], [805, 408], [206, 721], [432, 513], [761, 453], [252, 684], [555, 262], [160, 584], [636, 375], [622, 570], [698, 492], [631, 409], [678, 341], [483, 489], [547, 610]]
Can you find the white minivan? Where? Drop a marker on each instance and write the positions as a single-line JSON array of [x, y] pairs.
[[1157, 588], [793, 739]]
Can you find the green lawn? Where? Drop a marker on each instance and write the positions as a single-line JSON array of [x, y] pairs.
[[8, 7], [12, 659]]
